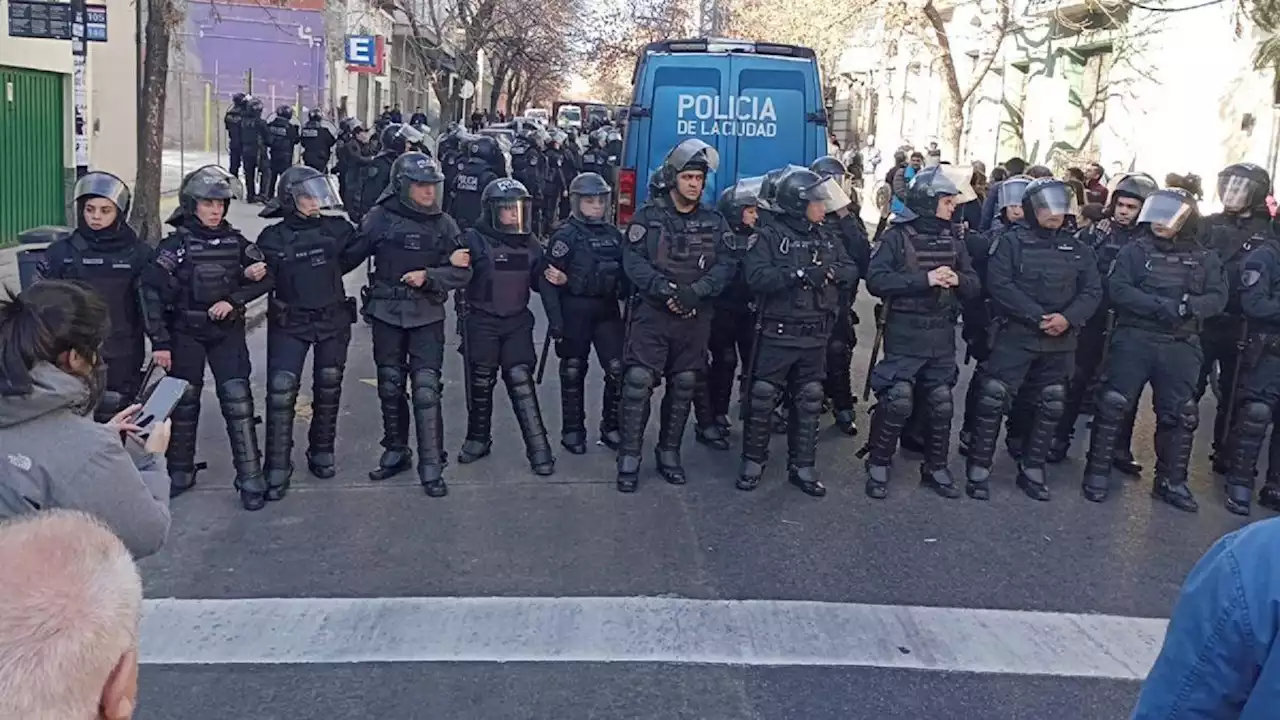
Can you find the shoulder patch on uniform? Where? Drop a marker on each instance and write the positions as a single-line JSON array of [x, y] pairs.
[[167, 259], [636, 233], [993, 247], [559, 249], [254, 253], [1250, 277]]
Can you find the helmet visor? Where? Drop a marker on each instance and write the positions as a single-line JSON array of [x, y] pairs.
[[317, 193], [212, 182], [512, 216], [426, 196], [410, 134], [960, 177], [1053, 199], [830, 194], [1165, 210], [1011, 191], [106, 186], [592, 209], [693, 151], [1236, 192], [746, 192]]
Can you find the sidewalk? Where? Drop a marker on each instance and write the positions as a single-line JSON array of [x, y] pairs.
[[177, 163]]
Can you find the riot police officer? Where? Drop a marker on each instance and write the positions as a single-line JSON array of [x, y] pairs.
[[451, 150], [1107, 238], [418, 258], [252, 132], [595, 159], [105, 253], [1164, 285], [498, 326], [307, 254], [193, 297], [529, 167], [1044, 284], [733, 331], [675, 258], [282, 136], [1259, 388], [922, 272], [356, 155], [588, 249], [318, 137], [1243, 224], [231, 121], [847, 223], [798, 271], [393, 142], [560, 164], [484, 157]]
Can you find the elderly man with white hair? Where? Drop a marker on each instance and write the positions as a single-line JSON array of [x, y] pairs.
[[70, 604]]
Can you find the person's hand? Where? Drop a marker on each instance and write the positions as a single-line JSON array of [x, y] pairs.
[[460, 258], [159, 440], [555, 276], [555, 331], [815, 275], [221, 310], [686, 297], [952, 278], [256, 271], [1103, 226], [1054, 324], [939, 277], [163, 358], [414, 278], [123, 420]]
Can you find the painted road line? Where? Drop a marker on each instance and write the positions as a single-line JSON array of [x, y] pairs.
[[650, 630]]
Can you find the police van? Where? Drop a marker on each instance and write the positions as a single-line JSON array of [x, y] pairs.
[[759, 104]]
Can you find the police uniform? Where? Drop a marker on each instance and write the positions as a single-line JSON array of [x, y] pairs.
[[317, 138], [589, 251], [309, 308], [498, 327], [1163, 290], [231, 121], [472, 178], [408, 322], [1259, 389], [194, 269], [677, 262], [111, 261], [252, 134], [559, 172], [281, 137], [1034, 272], [919, 332], [529, 167], [798, 270]]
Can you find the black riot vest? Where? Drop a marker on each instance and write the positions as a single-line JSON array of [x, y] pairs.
[[111, 274], [1107, 246], [406, 247], [1170, 274], [926, 253], [213, 269], [310, 275], [1048, 268], [527, 168], [1233, 239], [278, 132], [467, 188], [597, 266], [686, 244], [795, 250], [502, 284]]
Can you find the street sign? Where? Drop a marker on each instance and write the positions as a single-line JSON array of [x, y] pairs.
[[52, 20], [365, 53]]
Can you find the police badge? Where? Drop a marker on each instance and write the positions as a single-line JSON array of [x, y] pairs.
[[559, 249], [636, 233], [1250, 277]]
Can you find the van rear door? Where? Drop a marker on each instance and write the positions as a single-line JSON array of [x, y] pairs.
[[771, 117]]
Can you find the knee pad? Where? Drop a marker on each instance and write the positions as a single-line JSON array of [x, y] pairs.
[[764, 393], [1112, 405], [573, 370], [390, 382], [329, 377], [897, 401], [683, 383], [1256, 415], [236, 399], [486, 376], [426, 388], [993, 396], [1053, 400], [809, 398], [1189, 416], [940, 403], [638, 383], [282, 382], [519, 375]]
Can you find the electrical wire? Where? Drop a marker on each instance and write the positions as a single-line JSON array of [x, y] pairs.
[[1150, 8]]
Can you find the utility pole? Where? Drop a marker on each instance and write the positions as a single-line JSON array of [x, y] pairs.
[[710, 18], [79, 86]]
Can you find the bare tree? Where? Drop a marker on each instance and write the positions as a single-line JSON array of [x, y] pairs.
[[617, 31], [958, 96], [162, 18], [532, 48], [808, 23]]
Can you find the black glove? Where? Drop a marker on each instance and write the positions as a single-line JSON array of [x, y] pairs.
[[555, 331], [815, 275], [686, 297]]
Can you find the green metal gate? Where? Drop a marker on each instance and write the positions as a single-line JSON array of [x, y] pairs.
[[32, 151]]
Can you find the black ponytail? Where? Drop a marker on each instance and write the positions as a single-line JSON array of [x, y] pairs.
[[43, 322]]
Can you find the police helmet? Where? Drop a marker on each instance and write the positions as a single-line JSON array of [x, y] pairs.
[[211, 182], [237, 99], [507, 207], [830, 167], [692, 154], [589, 185], [254, 105], [769, 185], [299, 182], [285, 111], [416, 169], [1011, 191], [738, 197], [104, 185], [1047, 198], [1138, 186], [316, 115], [1170, 213], [396, 137], [796, 190], [928, 187], [1243, 186], [484, 147]]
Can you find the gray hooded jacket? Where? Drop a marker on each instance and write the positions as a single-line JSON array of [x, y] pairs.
[[53, 457]]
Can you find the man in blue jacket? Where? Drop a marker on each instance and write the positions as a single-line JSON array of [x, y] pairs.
[[1220, 659]]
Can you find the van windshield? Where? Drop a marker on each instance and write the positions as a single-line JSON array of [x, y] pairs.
[[571, 113]]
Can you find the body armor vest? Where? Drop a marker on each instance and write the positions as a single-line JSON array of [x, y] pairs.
[[111, 274], [504, 290], [686, 245], [408, 246], [926, 253], [1048, 270], [310, 276], [213, 269], [597, 266], [1170, 274]]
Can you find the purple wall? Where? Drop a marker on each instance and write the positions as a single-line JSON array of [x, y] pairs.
[[284, 48]]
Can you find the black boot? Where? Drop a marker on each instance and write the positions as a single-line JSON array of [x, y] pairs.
[[237, 410], [758, 404], [609, 434], [933, 471], [282, 397], [846, 422], [977, 479], [709, 432], [573, 416], [108, 405], [677, 401], [1177, 495], [990, 400], [396, 456], [480, 415], [838, 385], [888, 418], [1269, 496], [1044, 423], [1243, 447], [182, 443], [802, 439], [1173, 457], [1123, 460], [633, 414], [524, 401], [326, 396], [427, 425], [1112, 408]]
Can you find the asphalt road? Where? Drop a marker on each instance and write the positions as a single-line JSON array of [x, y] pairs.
[[503, 532]]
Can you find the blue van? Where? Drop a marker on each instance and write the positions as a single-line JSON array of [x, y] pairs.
[[759, 104]]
